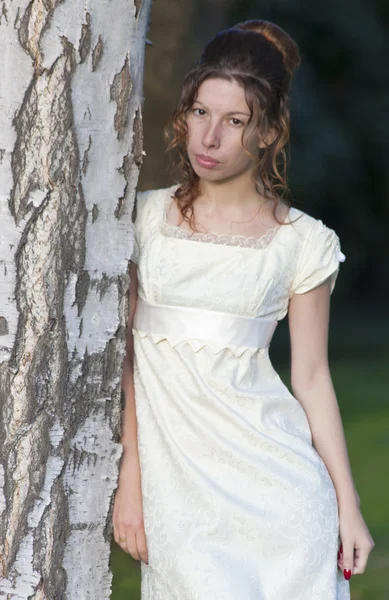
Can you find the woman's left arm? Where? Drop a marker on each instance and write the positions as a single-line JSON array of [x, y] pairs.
[[311, 383]]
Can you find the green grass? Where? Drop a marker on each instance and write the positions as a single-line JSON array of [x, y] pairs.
[[362, 387], [126, 575]]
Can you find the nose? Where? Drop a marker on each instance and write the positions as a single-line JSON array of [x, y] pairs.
[[211, 135]]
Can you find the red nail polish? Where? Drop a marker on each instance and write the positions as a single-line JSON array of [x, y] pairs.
[[347, 573], [341, 548], [338, 555]]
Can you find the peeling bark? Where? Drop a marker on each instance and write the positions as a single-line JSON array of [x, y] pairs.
[[97, 53], [120, 92], [68, 172], [86, 38]]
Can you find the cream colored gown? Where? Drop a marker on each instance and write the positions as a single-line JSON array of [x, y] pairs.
[[238, 505]]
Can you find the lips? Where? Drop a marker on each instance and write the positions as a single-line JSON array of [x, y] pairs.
[[206, 161], [207, 158]]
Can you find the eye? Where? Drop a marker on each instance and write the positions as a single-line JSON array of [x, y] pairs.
[[202, 112], [237, 121]]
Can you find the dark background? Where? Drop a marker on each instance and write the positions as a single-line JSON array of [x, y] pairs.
[[338, 173]]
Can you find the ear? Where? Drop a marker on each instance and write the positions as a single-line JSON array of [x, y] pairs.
[[268, 139]]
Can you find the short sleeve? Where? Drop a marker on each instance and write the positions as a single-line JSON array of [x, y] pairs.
[[319, 260], [137, 225]]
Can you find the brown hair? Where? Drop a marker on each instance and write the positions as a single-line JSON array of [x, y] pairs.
[[261, 57]]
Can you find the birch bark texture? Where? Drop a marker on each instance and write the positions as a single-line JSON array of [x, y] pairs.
[[71, 97]]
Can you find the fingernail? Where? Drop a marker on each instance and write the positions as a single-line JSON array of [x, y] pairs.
[[338, 555], [347, 573], [341, 548]]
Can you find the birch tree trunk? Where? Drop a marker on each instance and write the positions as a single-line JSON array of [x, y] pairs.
[[71, 76]]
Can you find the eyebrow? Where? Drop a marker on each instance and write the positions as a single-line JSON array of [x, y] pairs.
[[233, 112]]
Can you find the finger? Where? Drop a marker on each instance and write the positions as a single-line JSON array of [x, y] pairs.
[[142, 545], [122, 539], [116, 534], [360, 560], [131, 546], [348, 558], [340, 557]]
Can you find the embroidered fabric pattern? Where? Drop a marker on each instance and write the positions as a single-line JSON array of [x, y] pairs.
[[176, 231], [237, 502]]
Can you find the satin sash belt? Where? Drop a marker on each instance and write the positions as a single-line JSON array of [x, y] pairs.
[[196, 323]]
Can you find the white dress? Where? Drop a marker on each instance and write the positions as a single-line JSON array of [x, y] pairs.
[[238, 505]]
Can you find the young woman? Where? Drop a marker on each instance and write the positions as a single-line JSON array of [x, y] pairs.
[[231, 487]]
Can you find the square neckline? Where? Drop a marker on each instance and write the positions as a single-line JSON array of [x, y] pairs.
[[212, 238]]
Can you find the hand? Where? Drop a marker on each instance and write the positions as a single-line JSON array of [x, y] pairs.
[[128, 523], [357, 542]]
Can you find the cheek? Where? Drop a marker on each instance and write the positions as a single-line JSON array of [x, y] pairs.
[[236, 153], [192, 124], [195, 132]]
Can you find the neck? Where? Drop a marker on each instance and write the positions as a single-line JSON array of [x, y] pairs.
[[230, 193]]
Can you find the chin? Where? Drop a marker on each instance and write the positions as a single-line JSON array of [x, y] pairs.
[[209, 175], [205, 173]]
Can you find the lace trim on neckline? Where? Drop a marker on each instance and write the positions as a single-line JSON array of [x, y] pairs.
[[175, 231]]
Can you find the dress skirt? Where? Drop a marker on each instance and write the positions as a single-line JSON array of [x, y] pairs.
[[237, 502]]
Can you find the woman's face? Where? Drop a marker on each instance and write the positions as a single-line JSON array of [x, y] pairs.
[[215, 126]]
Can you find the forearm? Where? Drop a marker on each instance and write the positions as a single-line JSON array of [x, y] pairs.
[[129, 436], [319, 401]]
